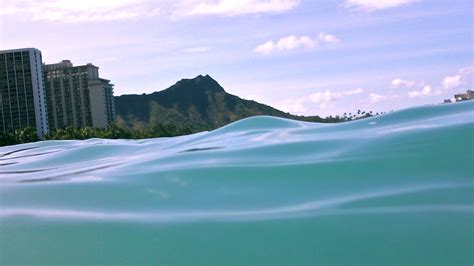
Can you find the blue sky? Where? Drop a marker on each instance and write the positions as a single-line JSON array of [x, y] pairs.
[[305, 57]]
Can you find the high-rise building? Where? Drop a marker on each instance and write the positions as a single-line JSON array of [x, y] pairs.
[[22, 92], [77, 96]]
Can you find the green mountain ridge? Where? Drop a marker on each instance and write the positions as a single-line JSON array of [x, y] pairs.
[[199, 103]]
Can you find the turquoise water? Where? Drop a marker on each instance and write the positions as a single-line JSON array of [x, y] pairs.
[[394, 189]]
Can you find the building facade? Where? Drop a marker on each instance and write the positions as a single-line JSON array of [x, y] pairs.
[[22, 91], [77, 96], [469, 95]]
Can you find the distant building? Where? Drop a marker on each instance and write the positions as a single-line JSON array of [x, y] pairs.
[[22, 91], [77, 96], [469, 95]]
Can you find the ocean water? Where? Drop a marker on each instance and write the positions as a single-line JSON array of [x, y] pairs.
[[396, 189]]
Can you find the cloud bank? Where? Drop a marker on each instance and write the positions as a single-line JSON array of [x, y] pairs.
[[323, 100], [72, 11], [425, 91], [295, 42], [243, 7], [400, 83], [375, 5], [463, 77]]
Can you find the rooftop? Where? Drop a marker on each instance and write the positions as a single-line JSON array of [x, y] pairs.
[[19, 50], [65, 64]]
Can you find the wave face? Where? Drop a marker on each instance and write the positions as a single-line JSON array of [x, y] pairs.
[[392, 189]]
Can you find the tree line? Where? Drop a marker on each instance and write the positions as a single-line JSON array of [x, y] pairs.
[[113, 131]]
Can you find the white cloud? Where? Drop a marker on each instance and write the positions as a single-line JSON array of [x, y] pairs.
[[327, 38], [330, 96], [452, 82], [326, 96], [354, 91], [294, 106], [463, 77], [425, 91], [284, 44], [265, 48], [73, 11], [399, 83], [375, 98], [70, 11], [242, 7], [323, 100], [374, 5], [294, 42]]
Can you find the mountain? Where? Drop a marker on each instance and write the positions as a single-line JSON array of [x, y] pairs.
[[199, 103]]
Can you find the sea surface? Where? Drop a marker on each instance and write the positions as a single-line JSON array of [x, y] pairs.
[[396, 189]]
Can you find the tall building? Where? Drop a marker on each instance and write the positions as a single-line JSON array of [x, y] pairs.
[[22, 91], [77, 96]]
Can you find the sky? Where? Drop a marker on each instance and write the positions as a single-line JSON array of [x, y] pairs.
[[307, 57]]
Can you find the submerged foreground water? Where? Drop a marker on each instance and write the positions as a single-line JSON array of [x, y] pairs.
[[393, 189]]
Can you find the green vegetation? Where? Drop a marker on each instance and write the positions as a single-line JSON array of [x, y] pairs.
[[18, 137], [115, 132], [112, 132]]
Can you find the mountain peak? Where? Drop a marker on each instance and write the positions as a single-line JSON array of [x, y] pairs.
[[200, 83], [200, 103]]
